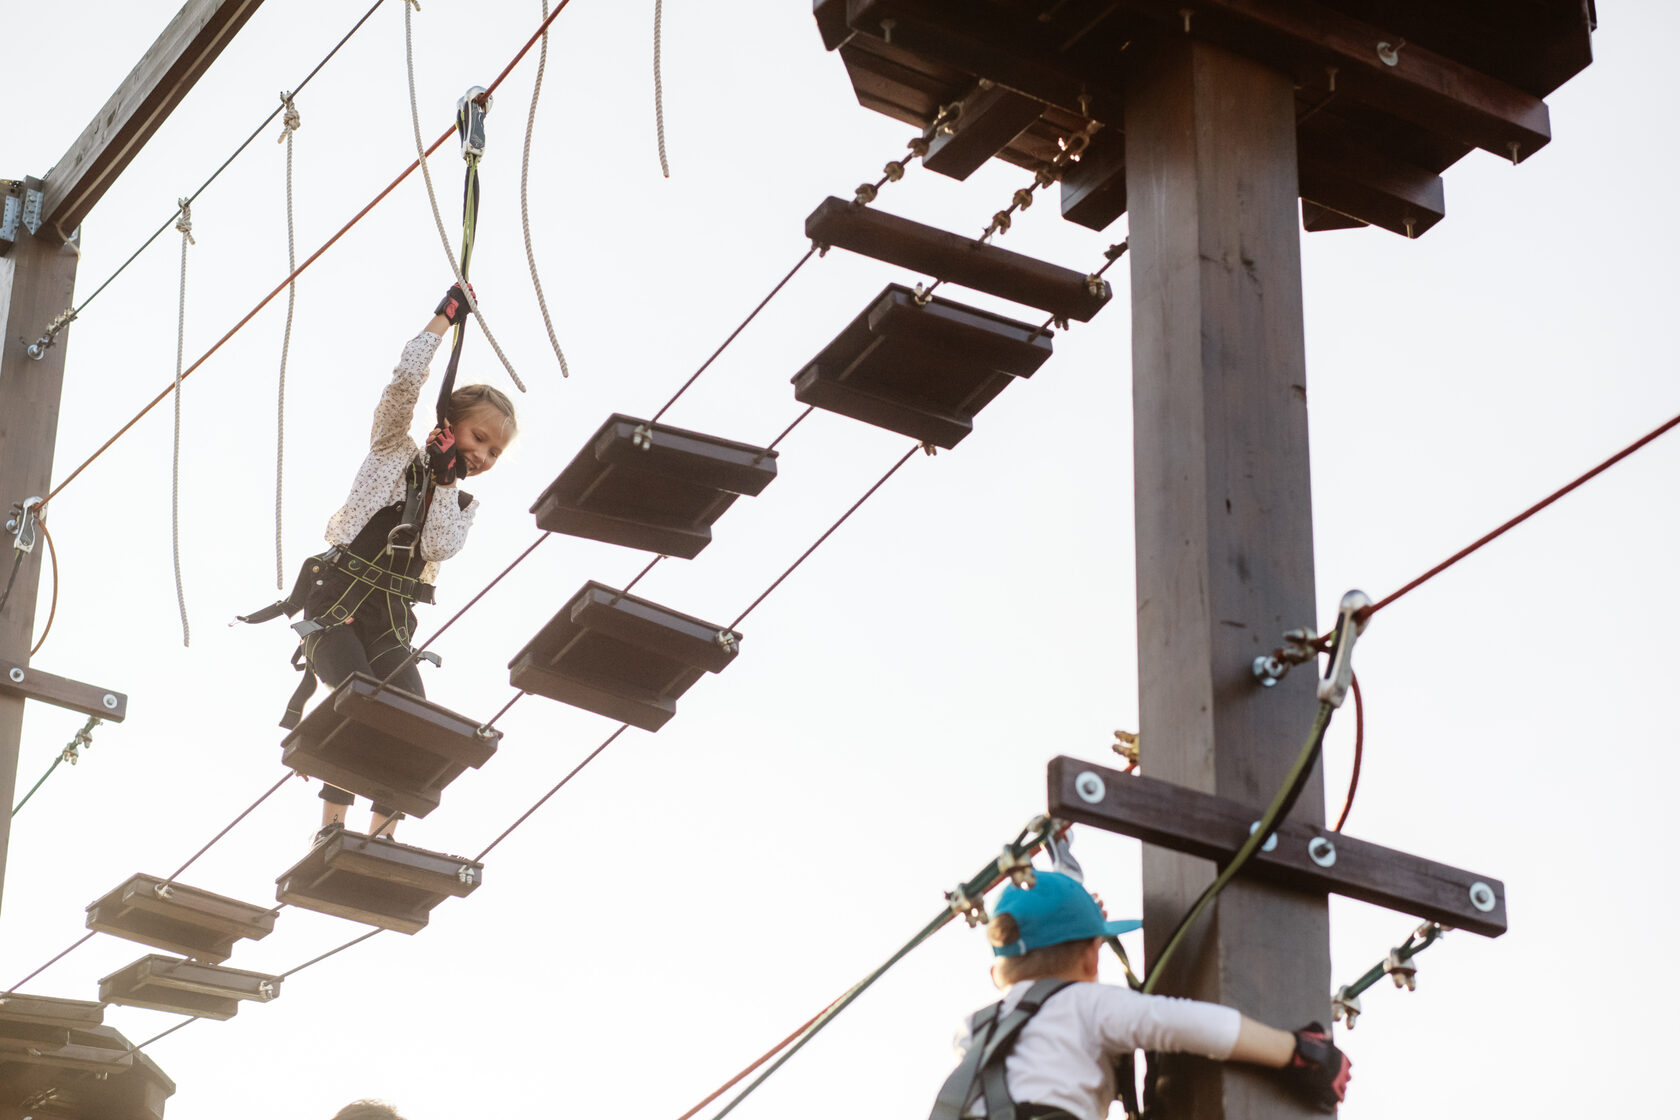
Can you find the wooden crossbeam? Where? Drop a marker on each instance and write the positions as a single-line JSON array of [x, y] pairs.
[[89, 699], [1063, 292], [144, 100], [1373, 66], [1341, 173], [1213, 827], [986, 121]]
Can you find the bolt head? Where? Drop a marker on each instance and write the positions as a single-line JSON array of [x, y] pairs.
[[110, 702], [1090, 787]]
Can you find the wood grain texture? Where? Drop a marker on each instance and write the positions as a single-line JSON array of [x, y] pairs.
[[89, 699]]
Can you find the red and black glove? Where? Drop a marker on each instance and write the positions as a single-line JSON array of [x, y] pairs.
[[454, 304], [441, 456], [1319, 1071]]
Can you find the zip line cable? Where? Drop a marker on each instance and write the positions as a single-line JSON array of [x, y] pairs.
[[311, 259], [225, 164], [71, 751], [1660, 430]]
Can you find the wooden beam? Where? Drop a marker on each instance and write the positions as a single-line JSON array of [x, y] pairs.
[[986, 121], [1373, 65], [144, 100], [1222, 493], [89, 699], [1341, 173], [1211, 827], [985, 267]]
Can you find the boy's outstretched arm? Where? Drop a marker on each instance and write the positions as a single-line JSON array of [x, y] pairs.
[[1262, 1045], [1312, 1062]]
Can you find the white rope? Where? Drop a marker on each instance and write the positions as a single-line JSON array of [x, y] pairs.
[[659, 87], [431, 193], [292, 122], [184, 224], [524, 196]]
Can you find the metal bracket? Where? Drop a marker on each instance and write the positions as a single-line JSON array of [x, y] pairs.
[[34, 197], [11, 212]]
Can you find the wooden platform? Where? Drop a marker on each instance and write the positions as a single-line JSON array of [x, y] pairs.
[[186, 987], [652, 486], [52, 1090], [379, 882], [1388, 96], [182, 919], [985, 267], [923, 371], [621, 656], [387, 745], [97, 1049], [71, 1014]]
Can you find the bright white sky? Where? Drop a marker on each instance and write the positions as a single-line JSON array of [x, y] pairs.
[[696, 894]]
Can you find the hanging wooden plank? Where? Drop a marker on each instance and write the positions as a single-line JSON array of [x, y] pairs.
[[652, 486], [985, 122], [186, 987], [1063, 292], [377, 881], [621, 656], [50, 1011], [53, 1090], [182, 919]]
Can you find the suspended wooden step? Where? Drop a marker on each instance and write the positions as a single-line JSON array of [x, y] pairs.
[[621, 656], [186, 987], [182, 919], [98, 1049], [387, 744], [136, 1090], [985, 267], [377, 881], [651, 486], [923, 371], [50, 1012]]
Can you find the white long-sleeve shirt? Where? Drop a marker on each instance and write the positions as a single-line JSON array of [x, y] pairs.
[[1065, 1054], [382, 478]]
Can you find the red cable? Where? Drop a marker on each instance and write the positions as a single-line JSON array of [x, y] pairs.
[[1523, 516], [765, 1057], [1358, 752]]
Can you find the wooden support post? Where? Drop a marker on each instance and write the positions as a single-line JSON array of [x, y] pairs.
[[1224, 520], [36, 280]]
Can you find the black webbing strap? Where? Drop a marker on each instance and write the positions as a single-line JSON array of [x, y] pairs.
[[469, 228], [992, 1037]]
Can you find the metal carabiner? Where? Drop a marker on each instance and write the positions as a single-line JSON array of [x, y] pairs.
[[1350, 623], [470, 111]]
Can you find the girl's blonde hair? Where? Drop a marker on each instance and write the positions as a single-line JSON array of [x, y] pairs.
[[1051, 960], [468, 399]]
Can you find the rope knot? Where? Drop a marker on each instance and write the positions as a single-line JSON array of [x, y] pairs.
[[291, 121], [184, 221]]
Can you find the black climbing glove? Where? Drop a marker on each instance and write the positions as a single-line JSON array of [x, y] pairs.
[[1319, 1071], [454, 304], [441, 456]]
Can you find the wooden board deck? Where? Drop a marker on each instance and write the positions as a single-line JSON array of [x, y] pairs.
[[377, 881], [177, 917], [186, 987]]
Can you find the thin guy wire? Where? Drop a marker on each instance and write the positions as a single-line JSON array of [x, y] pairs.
[[258, 131], [431, 194], [83, 940], [176, 874], [798, 420], [826, 534], [292, 122], [659, 87], [82, 738], [762, 1058], [43, 781], [809, 253], [517, 697], [184, 224], [1659, 430], [558, 786], [524, 199]]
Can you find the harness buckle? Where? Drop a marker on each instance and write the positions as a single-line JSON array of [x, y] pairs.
[[402, 539]]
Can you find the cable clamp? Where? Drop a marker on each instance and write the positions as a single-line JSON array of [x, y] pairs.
[[1345, 1007], [1017, 865], [1300, 646], [470, 111], [467, 873], [22, 524], [970, 910], [642, 438], [727, 641], [1350, 623], [866, 193], [1403, 969], [164, 891], [38, 349], [1126, 746]]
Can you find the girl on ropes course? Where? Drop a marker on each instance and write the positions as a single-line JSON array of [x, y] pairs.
[[403, 517]]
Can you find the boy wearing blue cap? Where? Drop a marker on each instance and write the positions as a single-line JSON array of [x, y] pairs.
[[1034, 1057]]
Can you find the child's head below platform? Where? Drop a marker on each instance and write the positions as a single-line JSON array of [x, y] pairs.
[[1047, 930], [482, 418]]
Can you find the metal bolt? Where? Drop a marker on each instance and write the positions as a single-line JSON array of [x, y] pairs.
[[1269, 670], [164, 891], [726, 640], [1322, 851], [265, 990], [1271, 841], [1390, 52], [467, 874], [1482, 896], [887, 26], [17, 675], [1090, 787], [642, 438], [110, 701]]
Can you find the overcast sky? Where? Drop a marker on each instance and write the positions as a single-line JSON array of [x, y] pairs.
[[696, 894]]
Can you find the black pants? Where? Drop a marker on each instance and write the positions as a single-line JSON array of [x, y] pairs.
[[375, 641]]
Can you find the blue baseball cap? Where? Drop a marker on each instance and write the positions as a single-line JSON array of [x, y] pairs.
[[1055, 909]]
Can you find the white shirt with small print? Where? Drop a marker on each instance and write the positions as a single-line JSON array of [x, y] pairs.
[[1065, 1054], [382, 478]]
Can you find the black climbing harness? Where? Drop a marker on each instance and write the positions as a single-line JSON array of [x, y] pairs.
[[992, 1036]]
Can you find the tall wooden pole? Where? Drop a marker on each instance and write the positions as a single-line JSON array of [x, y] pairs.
[[36, 280], [1224, 521]]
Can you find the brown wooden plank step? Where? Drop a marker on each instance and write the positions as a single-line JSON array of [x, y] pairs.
[[135, 1091], [98, 1049], [652, 486], [923, 371], [377, 881], [186, 987], [1063, 292], [177, 917], [621, 656], [386, 744], [51, 1012]]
